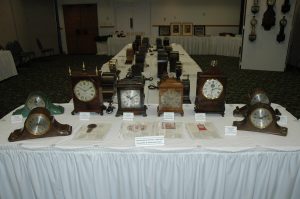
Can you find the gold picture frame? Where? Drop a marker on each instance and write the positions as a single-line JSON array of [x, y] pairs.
[[175, 29], [187, 29]]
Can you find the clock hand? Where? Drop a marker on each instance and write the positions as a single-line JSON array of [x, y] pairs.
[[134, 96]]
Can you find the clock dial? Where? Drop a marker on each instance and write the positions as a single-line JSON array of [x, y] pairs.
[[85, 90], [130, 98], [212, 89], [261, 118], [260, 98], [35, 101], [171, 99], [37, 124]]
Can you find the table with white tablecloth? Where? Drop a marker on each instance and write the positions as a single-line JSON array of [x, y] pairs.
[[208, 45], [7, 65], [248, 165]]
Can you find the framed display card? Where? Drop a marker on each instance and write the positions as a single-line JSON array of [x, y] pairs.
[[164, 30], [175, 29], [187, 29], [199, 30]]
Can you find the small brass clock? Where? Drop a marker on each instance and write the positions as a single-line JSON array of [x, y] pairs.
[[170, 96], [211, 89], [131, 97], [40, 124], [38, 99], [261, 118], [87, 91]]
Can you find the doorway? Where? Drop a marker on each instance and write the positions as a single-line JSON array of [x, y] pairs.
[[81, 25]]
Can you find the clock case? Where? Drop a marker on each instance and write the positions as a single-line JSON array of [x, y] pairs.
[[273, 128], [96, 104], [164, 86], [135, 83], [54, 109], [204, 105], [56, 128]]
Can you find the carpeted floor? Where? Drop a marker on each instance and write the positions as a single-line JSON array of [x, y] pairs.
[[50, 75]]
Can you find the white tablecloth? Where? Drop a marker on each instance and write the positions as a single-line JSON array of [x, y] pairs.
[[212, 45], [7, 65], [189, 66], [250, 165]]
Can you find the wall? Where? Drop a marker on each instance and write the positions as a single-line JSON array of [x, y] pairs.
[[26, 20], [266, 53]]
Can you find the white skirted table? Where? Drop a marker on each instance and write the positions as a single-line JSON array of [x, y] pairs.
[[7, 65], [248, 165], [208, 45]]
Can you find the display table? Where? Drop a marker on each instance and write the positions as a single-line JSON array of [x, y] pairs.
[[249, 165], [189, 67], [7, 65], [209, 45]]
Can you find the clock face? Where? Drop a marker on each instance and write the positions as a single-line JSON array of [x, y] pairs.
[[212, 89], [130, 98], [260, 98], [37, 124], [171, 99], [35, 101], [85, 90], [261, 118]]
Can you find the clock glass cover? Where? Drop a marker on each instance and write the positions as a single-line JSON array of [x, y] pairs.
[[260, 98], [171, 99], [261, 118], [130, 98], [37, 124], [212, 89], [35, 101], [85, 90]]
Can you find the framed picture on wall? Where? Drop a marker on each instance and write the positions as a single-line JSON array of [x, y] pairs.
[[175, 29], [164, 30], [199, 30], [187, 29]]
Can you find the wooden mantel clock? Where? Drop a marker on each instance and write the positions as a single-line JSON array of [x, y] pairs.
[[87, 91], [40, 124], [170, 96], [210, 93], [131, 97], [261, 117]]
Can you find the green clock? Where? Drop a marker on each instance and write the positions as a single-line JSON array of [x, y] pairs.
[[38, 99]]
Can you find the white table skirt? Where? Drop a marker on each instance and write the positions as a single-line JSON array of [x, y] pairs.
[[7, 65], [212, 45], [249, 165]]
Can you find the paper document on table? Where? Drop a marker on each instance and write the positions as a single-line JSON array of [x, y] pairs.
[[202, 130], [132, 129], [170, 129], [92, 132]]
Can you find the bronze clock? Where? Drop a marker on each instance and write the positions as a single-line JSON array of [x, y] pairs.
[[87, 91], [211, 89], [40, 124], [261, 118], [131, 97], [170, 96]]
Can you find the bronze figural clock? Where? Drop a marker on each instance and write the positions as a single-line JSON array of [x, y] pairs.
[[261, 118], [210, 93], [40, 124], [87, 91], [170, 96], [131, 97]]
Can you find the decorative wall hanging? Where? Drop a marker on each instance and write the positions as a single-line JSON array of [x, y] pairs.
[[199, 30], [281, 35], [187, 29], [286, 6], [252, 35], [164, 30], [269, 16], [175, 29], [255, 7]]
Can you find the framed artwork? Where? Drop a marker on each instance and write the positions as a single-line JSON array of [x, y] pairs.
[[164, 30], [199, 30], [187, 29], [175, 29]]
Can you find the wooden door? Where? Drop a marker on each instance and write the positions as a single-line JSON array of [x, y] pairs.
[[81, 25]]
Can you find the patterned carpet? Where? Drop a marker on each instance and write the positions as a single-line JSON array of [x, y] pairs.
[[50, 75]]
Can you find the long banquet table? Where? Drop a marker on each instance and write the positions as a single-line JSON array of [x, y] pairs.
[[250, 165], [7, 65]]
